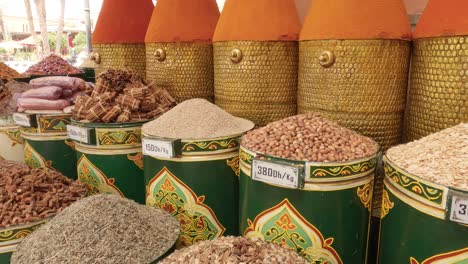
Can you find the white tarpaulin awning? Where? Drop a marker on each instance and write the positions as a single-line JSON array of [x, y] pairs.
[[10, 45]]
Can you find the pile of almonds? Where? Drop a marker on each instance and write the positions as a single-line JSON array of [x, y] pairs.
[[234, 250], [28, 195], [309, 137], [122, 96]]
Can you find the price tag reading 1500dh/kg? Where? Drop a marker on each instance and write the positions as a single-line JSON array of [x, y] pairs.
[[277, 173], [459, 209]]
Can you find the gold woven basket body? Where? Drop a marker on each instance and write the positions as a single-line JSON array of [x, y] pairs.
[[120, 56], [256, 80], [361, 84], [438, 94], [185, 69]]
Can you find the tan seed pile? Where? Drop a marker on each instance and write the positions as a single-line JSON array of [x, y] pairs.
[[234, 250], [309, 137], [196, 119], [28, 195], [441, 157], [104, 229]]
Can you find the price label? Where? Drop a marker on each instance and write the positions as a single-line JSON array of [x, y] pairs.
[[459, 209], [158, 148], [286, 175], [22, 119], [79, 134]]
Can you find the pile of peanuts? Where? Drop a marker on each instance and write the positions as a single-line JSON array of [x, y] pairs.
[[309, 137], [28, 195]]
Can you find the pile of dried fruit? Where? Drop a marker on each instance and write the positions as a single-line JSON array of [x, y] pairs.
[[101, 229], [51, 93], [196, 119], [309, 137], [52, 65], [441, 157], [8, 73], [28, 195], [234, 250], [9, 93], [122, 96]]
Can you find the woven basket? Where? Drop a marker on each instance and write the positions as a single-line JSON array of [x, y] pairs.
[[256, 80], [439, 86], [185, 69], [360, 84], [120, 56]]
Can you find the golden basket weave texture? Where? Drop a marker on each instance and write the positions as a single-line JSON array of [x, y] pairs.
[[262, 85], [438, 95], [185, 69], [120, 56], [361, 84]]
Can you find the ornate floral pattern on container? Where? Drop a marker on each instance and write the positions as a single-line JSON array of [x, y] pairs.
[[365, 194], [197, 221], [386, 204], [14, 135], [95, 179], [118, 137], [284, 225], [453, 257], [211, 145], [137, 159], [342, 170], [10, 237], [53, 124], [33, 159], [234, 164]]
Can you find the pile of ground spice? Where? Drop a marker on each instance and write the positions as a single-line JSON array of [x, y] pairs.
[[441, 157], [234, 250], [196, 119], [101, 229], [8, 73]]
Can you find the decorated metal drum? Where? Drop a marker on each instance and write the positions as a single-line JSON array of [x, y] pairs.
[[179, 53], [320, 210], [109, 158], [197, 182], [256, 59], [46, 143], [422, 222], [11, 142], [10, 238], [438, 91], [118, 40]]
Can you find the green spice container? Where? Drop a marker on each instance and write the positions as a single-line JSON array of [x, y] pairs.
[[109, 158], [46, 143], [425, 200], [11, 143], [195, 178], [296, 190]]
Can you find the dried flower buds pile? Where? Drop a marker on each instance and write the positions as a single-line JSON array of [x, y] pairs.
[[28, 195], [234, 250], [309, 137], [122, 96], [441, 157], [52, 65], [101, 229]]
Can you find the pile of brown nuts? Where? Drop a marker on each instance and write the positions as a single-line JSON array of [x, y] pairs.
[[122, 96], [234, 250], [309, 137], [28, 195]]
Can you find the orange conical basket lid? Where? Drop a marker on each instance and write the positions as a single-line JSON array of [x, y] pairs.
[[183, 21], [123, 21], [356, 19], [443, 18], [258, 20]]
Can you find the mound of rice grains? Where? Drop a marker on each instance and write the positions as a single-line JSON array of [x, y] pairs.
[[196, 119], [234, 250], [101, 229], [28, 195], [122, 96], [441, 157], [309, 137]]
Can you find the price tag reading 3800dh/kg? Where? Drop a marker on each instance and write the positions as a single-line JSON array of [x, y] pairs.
[[286, 175], [459, 209]]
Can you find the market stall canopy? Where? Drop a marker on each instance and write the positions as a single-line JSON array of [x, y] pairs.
[[29, 41], [123, 21], [183, 21], [443, 18], [356, 19], [260, 20], [10, 45]]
